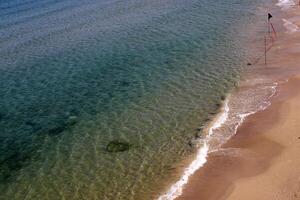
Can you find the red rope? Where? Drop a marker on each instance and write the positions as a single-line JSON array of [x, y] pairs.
[[275, 34]]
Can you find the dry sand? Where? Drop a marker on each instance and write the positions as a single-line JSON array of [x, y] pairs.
[[262, 161]]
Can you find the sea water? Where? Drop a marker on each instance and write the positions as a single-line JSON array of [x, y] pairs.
[[75, 75]]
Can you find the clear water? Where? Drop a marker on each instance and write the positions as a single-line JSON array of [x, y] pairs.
[[75, 75]]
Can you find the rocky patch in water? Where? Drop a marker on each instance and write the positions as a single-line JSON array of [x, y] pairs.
[[117, 146]]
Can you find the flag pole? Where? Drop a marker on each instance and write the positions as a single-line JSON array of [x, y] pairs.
[[265, 50], [269, 31]]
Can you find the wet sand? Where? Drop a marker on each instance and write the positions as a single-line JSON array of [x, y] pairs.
[[262, 161]]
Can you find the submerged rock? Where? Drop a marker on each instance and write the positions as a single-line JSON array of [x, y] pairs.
[[198, 135], [192, 144], [199, 132], [56, 130], [34, 126], [206, 119], [29, 123], [15, 160], [72, 120], [213, 112], [11, 163], [2, 116], [117, 146], [125, 83], [199, 129], [218, 105], [58, 126]]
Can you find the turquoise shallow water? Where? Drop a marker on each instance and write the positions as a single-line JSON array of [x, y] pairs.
[[75, 75]]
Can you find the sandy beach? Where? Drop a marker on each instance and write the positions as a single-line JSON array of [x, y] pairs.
[[261, 161]]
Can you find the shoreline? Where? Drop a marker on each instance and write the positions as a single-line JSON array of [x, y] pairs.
[[198, 160], [253, 160], [238, 159], [259, 162]]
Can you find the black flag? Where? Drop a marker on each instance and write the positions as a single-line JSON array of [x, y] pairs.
[[269, 16]]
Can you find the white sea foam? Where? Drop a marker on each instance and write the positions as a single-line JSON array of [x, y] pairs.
[[290, 26], [263, 106], [201, 157], [221, 119], [176, 189], [285, 4]]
